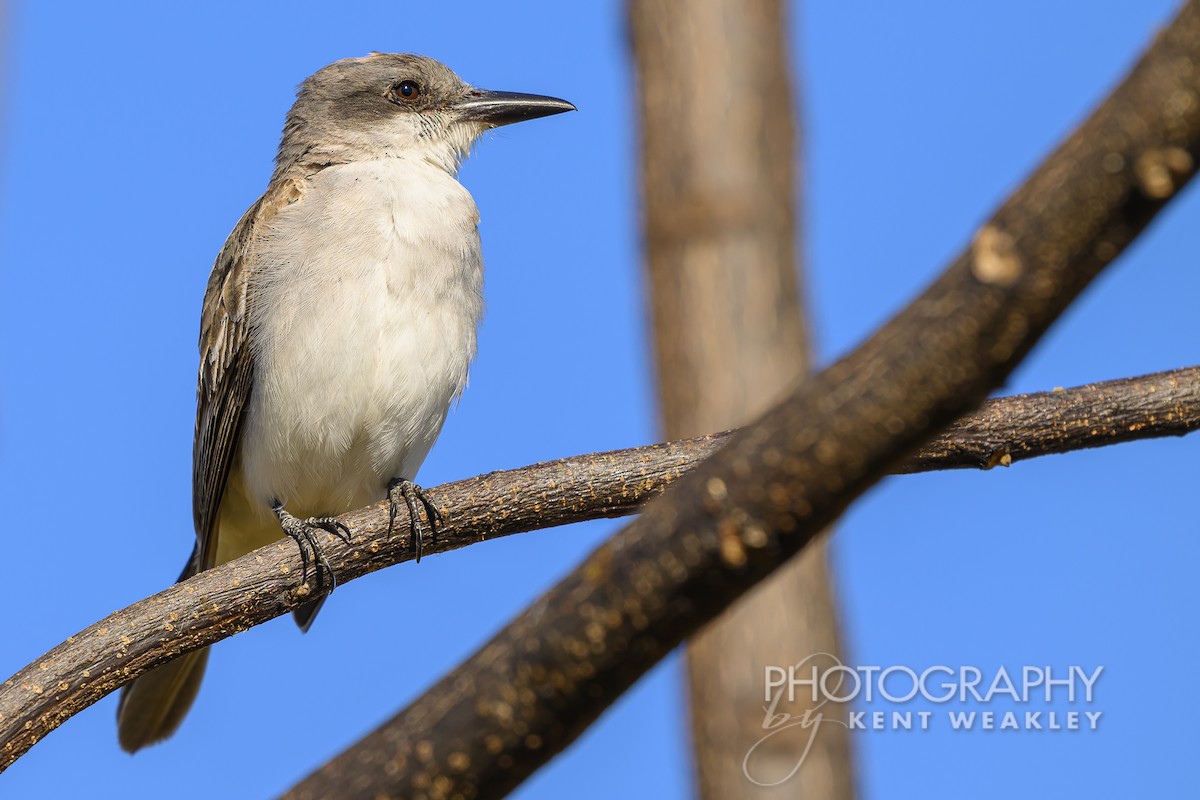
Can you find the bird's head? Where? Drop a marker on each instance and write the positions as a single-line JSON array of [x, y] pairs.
[[391, 105]]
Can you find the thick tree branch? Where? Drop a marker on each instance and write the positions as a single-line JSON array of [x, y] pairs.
[[262, 585], [762, 497]]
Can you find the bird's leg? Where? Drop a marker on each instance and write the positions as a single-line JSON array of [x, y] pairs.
[[304, 533], [416, 499]]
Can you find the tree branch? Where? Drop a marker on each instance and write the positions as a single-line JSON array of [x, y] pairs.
[[1044, 423], [761, 498], [262, 585]]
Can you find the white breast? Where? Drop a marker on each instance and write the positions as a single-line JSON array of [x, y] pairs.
[[364, 307]]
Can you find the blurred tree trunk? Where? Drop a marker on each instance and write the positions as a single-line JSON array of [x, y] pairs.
[[718, 141]]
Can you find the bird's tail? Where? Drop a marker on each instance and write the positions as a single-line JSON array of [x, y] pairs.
[[305, 614], [152, 707]]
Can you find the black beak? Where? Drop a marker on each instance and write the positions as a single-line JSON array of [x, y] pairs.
[[504, 108]]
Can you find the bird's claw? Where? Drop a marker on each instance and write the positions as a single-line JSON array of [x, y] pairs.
[[416, 500], [304, 532]]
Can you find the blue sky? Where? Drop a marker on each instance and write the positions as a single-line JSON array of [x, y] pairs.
[[137, 133]]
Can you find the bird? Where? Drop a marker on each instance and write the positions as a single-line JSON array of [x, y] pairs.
[[338, 326]]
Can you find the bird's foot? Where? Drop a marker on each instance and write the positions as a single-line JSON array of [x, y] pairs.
[[417, 500], [304, 533]]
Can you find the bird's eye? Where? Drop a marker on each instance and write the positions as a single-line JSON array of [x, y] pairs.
[[408, 90]]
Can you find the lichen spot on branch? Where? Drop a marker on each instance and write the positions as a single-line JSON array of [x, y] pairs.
[[1161, 171], [994, 258]]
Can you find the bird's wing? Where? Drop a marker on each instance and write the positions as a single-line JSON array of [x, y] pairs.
[[226, 366]]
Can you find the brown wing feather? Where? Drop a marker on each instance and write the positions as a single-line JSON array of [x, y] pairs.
[[226, 367]]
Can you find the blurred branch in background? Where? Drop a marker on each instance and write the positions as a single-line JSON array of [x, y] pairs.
[[718, 143]]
